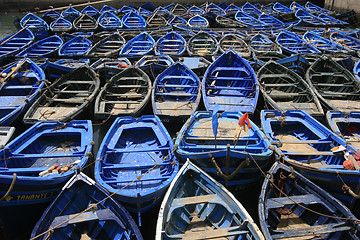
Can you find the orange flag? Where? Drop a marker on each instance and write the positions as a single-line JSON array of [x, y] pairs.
[[244, 123]]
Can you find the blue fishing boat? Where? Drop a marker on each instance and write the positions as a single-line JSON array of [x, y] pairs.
[[251, 10], [138, 46], [107, 8], [232, 8], [212, 7], [229, 155], [154, 65], [36, 25], [171, 44], [315, 9], [50, 16], [107, 47], [69, 97], [331, 21], [77, 46], [60, 25], [125, 9], [337, 88], [305, 144], [196, 10], [308, 19], [231, 83], [322, 43], [177, 20], [271, 20], [282, 9], [41, 160], [198, 22], [297, 63], [291, 43], [293, 207], [92, 213], [236, 43], [90, 11], [349, 42], [55, 69], [144, 12], [109, 21], [126, 94], [14, 43], [148, 6], [346, 126], [249, 20], [283, 90], [70, 14], [260, 43], [170, 6], [296, 6], [202, 44], [21, 84], [176, 93], [133, 20], [161, 11], [136, 162], [356, 70], [182, 213], [46, 47]]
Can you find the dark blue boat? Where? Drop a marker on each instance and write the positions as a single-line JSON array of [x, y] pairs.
[[54, 70], [212, 7], [107, 8], [330, 21], [109, 21], [144, 12], [70, 14], [356, 70], [297, 63], [154, 65], [13, 44], [251, 10], [177, 20], [60, 25], [210, 204], [93, 213], [91, 11], [176, 93], [260, 43], [349, 42], [125, 9], [196, 10], [231, 83], [315, 9], [136, 162], [291, 43], [161, 11], [232, 8], [271, 20], [138, 46], [77, 46], [107, 47], [50, 16], [282, 9], [133, 20], [202, 44], [221, 156], [21, 84], [171, 44], [198, 22], [249, 20], [292, 207], [42, 159], [322, 43], [305, 144], [309, 19], [346, 125], [36, 25], [46, 47]]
